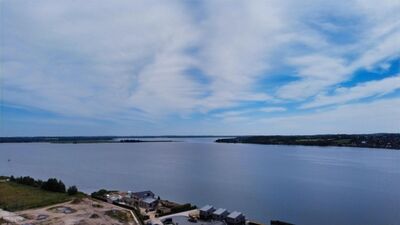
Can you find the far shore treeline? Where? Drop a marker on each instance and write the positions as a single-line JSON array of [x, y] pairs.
[[52, 184], [383, 141], [95, 139]]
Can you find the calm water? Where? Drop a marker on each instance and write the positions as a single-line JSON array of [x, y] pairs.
[[303, 185]]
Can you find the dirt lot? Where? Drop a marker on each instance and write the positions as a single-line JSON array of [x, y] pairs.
[[82, 212]]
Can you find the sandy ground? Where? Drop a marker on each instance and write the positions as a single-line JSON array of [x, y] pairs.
[[86, 212], [9, 216]]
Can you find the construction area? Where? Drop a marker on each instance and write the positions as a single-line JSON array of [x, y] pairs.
[[77, 212]]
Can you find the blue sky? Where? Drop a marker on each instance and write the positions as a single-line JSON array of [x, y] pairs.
[[199, 67]]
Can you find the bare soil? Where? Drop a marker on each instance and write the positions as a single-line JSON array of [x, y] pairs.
[[85, 212]]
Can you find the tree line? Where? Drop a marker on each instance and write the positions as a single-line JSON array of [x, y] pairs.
[[52, 184], [384, 140]]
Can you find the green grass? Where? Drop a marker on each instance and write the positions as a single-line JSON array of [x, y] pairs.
[[15, 197]]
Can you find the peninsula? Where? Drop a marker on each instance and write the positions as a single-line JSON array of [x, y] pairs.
[[383, 140]]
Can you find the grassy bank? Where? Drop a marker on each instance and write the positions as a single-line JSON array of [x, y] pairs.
[[15, 197]]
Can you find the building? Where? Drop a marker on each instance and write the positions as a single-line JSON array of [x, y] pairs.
[[142, 195], [114, 197], [206, 212], [149, 203], [145, 199], [220, 214], [235, 218]]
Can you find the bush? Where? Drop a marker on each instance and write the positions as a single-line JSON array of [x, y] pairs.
[[73, 190], [100, 194]]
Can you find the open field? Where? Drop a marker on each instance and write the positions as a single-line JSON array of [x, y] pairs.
[[30, 205], [14, 197]]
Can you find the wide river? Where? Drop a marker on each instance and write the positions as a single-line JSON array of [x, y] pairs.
[[302, 185]]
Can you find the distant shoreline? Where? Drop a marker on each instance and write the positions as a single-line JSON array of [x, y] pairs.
[[96, 139], [382, 141]]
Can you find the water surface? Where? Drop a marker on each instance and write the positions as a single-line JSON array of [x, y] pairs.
[[303, 185]]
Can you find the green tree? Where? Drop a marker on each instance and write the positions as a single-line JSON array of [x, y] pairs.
[[54, 185], [72, 190]]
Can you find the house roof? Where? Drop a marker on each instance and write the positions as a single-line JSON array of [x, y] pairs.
[[143, 194], [149, 200], [207, 208], [234, 214], [220, 211]]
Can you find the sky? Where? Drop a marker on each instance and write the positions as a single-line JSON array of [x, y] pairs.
[[212, 67]]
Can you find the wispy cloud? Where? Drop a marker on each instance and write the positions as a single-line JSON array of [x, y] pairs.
[[273, 109], [363, 90], [371, 117]]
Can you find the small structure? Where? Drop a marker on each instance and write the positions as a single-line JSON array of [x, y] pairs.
[[113, 197], [236, 218], [220, 214], [206, 212]]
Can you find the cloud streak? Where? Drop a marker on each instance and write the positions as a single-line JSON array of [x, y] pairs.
[[363, 90]]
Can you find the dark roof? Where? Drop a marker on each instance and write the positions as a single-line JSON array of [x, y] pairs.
[[220, 211], [207, 208], [143, 194], [235, 215]]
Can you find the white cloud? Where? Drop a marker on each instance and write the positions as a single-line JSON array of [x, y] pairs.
[[99, 59], [363, 90], [377, 38], [317, 72], [130, 59], [273, 109], [373, 117]]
